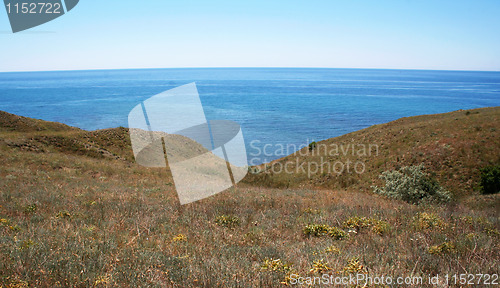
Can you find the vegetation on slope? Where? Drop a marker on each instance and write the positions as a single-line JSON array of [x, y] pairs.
[[76, 217], [452, 146]]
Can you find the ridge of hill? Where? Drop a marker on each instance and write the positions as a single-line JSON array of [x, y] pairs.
[[35, 135], [12, 122]]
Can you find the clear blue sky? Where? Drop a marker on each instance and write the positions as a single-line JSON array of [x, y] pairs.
[[406, 34]]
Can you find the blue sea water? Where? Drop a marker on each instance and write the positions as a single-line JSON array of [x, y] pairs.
[[287, 106]]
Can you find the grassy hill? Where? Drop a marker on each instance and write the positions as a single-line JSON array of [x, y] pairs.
[[77, 211], [453, 146], [43, 136]]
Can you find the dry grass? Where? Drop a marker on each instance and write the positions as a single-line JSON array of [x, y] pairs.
[[76, 218], [452, 146]]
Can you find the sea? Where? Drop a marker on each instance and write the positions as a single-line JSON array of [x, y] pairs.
[[275, 107]]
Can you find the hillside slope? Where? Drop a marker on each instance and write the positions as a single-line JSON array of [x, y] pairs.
[[452, 146], [77, 211], [44, 136]]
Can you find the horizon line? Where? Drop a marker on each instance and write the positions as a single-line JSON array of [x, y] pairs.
[[248, 67]]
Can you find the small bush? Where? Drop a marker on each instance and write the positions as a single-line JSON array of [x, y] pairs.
[[271, 264], [354, 266], [227, 221], [445, 248], [277, 265], [336, 233], [312, 145], [318, 230], [490, 179], [180, 238], [413, 185], [355, 223], [319, 267], [428, 221], [377, 226]]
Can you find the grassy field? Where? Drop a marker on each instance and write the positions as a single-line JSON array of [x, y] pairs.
[[76, 211]]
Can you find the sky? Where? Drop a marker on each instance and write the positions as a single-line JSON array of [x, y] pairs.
[[387, 34]]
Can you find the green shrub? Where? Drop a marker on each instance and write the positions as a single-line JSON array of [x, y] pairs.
[[318, 230], [377, 226], [413, 185], [490, 179], [271, 264], [312, 145], [227, 221], [354, 223], [319, 267], [354, 266], [445, 248], [336, 233], [427, 220], [277, 265]]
